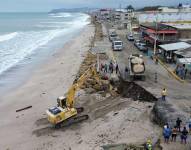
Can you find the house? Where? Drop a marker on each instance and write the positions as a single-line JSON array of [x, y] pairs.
[[184, 29], [160, 32], [146, 17], [104, 14]]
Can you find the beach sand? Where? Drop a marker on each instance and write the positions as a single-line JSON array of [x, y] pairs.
[[112, 120], [50, 80]]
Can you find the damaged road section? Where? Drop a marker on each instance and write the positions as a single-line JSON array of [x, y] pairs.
[[135, 91]]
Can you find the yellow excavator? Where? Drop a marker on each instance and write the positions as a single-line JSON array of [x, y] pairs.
[[65, 113]]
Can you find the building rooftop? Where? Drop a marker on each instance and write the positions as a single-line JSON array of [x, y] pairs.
[[175, 46], [180, 25], [184, 52], [185, 61], [159, 26]]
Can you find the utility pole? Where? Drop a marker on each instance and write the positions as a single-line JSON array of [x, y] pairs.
[[156, 34]]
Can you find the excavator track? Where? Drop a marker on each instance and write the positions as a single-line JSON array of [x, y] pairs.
[[73, 120]]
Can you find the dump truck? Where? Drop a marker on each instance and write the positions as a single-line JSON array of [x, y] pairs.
[[136, 67]]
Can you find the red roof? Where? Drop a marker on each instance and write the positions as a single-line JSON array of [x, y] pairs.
[[162, 31]]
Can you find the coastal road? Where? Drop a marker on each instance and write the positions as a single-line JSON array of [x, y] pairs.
[[178, 102]]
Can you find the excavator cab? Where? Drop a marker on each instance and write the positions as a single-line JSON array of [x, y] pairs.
[[61, 102]]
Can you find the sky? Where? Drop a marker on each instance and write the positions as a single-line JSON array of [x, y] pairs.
[[47, 5]]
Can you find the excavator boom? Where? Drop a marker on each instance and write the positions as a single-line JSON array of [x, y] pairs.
[[65, 112]]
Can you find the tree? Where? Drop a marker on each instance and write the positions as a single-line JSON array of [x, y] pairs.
[[130, 7], [179, 5]]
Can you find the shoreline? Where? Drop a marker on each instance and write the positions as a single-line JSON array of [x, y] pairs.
[[48, 81], [18, 75]]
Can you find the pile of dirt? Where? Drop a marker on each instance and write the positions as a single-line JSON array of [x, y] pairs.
[[134, 91], [89, 60], [98, 31], [164, 112]]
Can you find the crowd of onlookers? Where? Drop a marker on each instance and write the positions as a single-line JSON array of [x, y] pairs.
[[181, 71], [109, 68], [172, 133]]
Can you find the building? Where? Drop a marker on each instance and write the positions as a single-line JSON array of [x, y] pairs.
[[168, 10], [104, 14], [184, 29], [159, 32], [148, 17]]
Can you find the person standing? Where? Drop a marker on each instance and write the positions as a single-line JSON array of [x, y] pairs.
[[189, 124], [174, 134], [102, 67], [116, 68], [184, 135], [178, 124], [126, 72], [111, 67], [149, 145], [166, 133], [105, 68], [164, 94]]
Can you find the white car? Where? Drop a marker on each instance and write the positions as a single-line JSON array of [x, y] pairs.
[[112, 36], [141, 46], [130, 37], [117, 45]]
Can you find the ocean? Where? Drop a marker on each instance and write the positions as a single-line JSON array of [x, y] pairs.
[[27, 37]]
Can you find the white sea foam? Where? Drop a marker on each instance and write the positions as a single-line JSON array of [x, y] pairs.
[[7, 36], [16, 46], [61, 15]]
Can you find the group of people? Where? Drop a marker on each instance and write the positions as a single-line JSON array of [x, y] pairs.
[[181, 71], [175, 131], [109, 68]]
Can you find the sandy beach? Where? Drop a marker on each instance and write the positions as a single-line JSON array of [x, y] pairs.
[[46, 83]]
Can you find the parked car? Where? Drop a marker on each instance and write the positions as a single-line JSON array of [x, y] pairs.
[[141, 46], [112, 36], [130, 37], [117, 45]]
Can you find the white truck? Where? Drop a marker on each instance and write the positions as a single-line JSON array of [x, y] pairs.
[[117, 45], [136, 67]]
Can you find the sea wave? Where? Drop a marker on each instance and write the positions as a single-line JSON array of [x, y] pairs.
[[8, 36], [18, 45], [15, 50], [61, 15]]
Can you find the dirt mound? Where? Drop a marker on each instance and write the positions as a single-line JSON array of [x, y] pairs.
[[134, 91]]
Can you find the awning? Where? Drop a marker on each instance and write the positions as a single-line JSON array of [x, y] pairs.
[[175, 46], [186, 61], [162, 31]]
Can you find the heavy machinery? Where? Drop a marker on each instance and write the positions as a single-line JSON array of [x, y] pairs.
[[65, 112], [136, 67]]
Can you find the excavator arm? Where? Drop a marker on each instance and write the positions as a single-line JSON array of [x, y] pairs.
[[91, 72]]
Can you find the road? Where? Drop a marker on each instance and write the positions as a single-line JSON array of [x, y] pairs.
[[178, 102]]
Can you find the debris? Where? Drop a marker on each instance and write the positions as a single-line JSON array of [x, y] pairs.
[[115, 114], [23, 108]]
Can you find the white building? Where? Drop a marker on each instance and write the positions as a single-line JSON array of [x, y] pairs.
[[163, 17]]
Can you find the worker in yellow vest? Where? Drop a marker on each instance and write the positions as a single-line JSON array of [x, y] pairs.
[[164, 94], [149, 145]]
